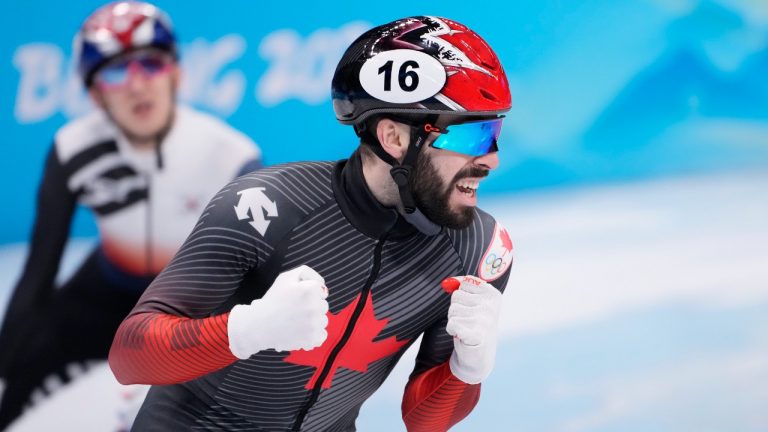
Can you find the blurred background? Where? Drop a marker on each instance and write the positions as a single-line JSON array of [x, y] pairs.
[[633, 181]]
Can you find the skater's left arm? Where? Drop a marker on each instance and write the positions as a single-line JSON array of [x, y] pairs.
[[455, 356]]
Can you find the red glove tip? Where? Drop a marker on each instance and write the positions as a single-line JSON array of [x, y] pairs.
[[450, 285]]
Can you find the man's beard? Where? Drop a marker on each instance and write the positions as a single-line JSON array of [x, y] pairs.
[[433, 196]]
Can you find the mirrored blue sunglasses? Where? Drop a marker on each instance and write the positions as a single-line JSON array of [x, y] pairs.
[[472, 138], [117, 73]]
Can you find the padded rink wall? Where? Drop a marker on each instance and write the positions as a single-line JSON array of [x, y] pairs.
[[631, 179]]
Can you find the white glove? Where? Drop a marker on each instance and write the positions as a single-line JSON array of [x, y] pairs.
[[473, 319], [290, 316]]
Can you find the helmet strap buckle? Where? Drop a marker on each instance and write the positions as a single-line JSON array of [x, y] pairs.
[[401, 174]]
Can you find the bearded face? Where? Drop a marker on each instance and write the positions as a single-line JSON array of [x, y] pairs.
[[435, 195]]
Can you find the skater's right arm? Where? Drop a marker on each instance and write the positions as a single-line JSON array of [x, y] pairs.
[[181, 328], [55, 206], [162, 348]]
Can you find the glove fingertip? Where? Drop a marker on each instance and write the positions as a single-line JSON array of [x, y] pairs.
[[450, 284], [308, 273], [450, 329]]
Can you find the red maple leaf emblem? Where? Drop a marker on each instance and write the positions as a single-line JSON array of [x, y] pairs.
[[506, 242], [359, 351]]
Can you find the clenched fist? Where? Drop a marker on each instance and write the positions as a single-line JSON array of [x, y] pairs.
[[290, 316], [473, 322]]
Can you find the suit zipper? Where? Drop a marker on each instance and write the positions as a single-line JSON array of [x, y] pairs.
[[344, 338]]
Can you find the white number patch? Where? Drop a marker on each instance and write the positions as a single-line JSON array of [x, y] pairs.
[[402, 76]]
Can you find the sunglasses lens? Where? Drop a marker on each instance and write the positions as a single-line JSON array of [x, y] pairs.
[[114, 74], [152, 64], [117, 73], [473, 139]]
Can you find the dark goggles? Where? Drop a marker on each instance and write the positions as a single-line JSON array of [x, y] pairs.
[[117, 73], [472, 138]]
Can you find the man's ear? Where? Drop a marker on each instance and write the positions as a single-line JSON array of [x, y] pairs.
[[394, 137], [96, 96]]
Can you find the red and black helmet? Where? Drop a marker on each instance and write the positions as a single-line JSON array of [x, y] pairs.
[[120, 27], [419, 65]]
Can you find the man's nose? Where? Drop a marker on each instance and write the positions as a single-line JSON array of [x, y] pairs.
[[137, 79], [489, 160]]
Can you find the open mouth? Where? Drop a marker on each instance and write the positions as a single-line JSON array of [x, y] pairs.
[[468, 187], [142, 108]]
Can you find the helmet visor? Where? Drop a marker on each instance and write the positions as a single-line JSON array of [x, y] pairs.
[[473, 139]]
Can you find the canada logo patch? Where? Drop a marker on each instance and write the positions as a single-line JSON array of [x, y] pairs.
[[498, 257]]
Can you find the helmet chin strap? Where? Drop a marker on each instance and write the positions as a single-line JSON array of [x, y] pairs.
[[401, 174]]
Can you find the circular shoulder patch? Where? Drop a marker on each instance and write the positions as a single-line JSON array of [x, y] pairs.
[[498, 256], [402, 76]]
